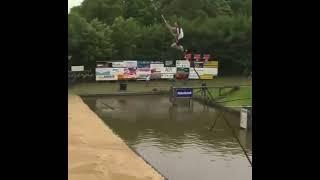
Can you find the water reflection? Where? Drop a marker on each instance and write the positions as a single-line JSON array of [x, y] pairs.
[[176, 139]]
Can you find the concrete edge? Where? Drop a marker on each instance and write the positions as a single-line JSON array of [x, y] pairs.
[[124, 94]]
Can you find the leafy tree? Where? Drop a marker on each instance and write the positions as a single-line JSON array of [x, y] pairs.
[[127, 29]]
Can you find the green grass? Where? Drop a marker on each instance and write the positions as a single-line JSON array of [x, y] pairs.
[[243, 92], [141, 86]]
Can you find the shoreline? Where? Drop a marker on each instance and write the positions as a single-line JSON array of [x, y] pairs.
[[95, 152]]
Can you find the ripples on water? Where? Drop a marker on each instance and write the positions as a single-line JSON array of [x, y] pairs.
[[177, 140]]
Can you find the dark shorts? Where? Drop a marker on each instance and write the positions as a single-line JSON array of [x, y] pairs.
[[179, 42]]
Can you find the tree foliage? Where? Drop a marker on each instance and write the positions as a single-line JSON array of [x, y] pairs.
[[126, 29]]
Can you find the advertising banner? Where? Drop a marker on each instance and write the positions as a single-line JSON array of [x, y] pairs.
[[102, 74], [211, 71], [193, 74], [182, 64], [108, 74], [197, 57], [211, 64], [167, 76], [130, 64], [198, 64], [184, 92], [130, 73], [170, 63], [143, 73], [206, 57], [118, 65], [182, 73], [168, 72], [143, 64], [156, 68], [77, 68]]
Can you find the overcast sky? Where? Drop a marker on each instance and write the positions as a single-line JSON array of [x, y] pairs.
[[72, 3]]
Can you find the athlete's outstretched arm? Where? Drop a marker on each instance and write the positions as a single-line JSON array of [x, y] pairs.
[[168, 26]]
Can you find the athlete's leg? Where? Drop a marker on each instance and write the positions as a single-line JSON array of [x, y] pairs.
[[174, 45], [181, 48], [179, 45]]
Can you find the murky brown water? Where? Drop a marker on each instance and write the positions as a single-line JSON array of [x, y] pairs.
[[176, 140]]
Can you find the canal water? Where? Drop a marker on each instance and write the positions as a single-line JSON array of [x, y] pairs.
[[176, 140]]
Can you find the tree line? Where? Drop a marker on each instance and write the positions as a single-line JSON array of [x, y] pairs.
[[100, 30]]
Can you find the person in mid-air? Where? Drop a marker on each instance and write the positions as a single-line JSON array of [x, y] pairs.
[[177, 33]]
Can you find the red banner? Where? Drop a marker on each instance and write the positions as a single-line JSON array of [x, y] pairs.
[[197, 57], [206, 57], [188, 57]]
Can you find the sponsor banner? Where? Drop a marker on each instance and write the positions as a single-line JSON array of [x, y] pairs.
[[188, 57], [167, 76], [103, 64], [211, 64], [170, 63], [101, 73], [198, 64], [211, 71], [206, 76], [182, 73], [77, 68], [168, 70], [108, 74], [143, 73], [193, 74], [182, 64], [130, 73], [118, 65], [143, 64], [119, 73], [156, 67], [197, 57], [130, 64], [156, 62], [206, 57], [184, 92], [155, 75]]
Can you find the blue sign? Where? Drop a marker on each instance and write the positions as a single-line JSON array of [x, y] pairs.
[[143, 64], [184, 92]]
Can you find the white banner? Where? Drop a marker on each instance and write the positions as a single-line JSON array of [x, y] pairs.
[[167, 76], [108, 74], [77, 68], [143, 73], [182, 63], [104, 74], [168, 70], [118, 64], [130, 64], [117, 71], [211, 71], [157, 67], [193, 74]]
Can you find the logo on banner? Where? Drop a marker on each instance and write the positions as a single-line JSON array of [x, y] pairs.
[[184, 92]]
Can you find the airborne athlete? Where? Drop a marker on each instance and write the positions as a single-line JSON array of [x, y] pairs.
[[177, 33]]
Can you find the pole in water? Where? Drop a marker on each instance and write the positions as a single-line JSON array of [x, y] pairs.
[[215, 122], [235, 136]]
